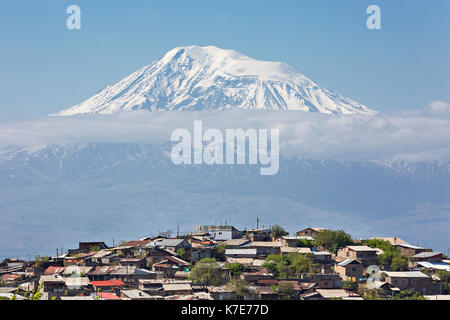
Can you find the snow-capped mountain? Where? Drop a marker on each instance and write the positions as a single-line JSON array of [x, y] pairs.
[[210, 78]]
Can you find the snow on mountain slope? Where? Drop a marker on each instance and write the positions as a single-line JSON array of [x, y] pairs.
[[210, 78]]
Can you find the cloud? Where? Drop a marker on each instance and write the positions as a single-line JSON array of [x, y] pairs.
[[419, 135]]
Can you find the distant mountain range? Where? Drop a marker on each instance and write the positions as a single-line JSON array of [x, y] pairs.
[[57, 195], [210, 78]]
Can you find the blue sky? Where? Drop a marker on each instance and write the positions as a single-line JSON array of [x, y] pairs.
[[44, 67]]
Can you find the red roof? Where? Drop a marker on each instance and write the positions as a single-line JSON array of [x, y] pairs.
[[10, 277], [107, 296], [54, 270], [108, 283]]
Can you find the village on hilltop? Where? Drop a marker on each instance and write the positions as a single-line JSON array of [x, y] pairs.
[[219, 262]]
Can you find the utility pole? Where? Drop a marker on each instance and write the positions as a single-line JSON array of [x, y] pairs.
[[257, 222]]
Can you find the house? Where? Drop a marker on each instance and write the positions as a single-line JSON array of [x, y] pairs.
[[177, 288], [54, 270], [364, 254], [322, 257], [106, 296], [434, 266], [235, 243], [325, 281], [108, 285], [410, 250], [52, 285], [133, 262], [431, 257], [222, 293], [392, 240], [241, 253], [181, 275], [125, 273], [266, 293], [301, 250], [134, 294], [220, 232], [309, 232], [335, 293], [76, 270], [264, 248], [263, 234], [202, 251], [292, 241], [350, 270], [100, 273], [172, 244], [257, 276], [84, 247], [170, 266], [404, 280], [11, 279], [382, 288], [76, 285]]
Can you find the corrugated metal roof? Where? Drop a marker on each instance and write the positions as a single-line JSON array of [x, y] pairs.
[[361, 248], [426, 254], [177, 287], [136, 294], [434, 265], [406, 274], [240, 252], [410, 246], [76, 281], [347, 262]]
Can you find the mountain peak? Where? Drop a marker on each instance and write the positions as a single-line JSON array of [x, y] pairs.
[[211, 78]]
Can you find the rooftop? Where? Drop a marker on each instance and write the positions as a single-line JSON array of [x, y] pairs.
[[361, 248], [406, 274]]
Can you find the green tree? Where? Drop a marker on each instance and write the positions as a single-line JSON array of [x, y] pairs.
[[235, 269], [391, 257], [277, 231], [285, 290], [95, 248], [291, 265], [444, 277], [39, 261], [220, 252], [182, 253], [239, 286], [333, 240], [305, 243], [399, 263], [350, 285], [206, 272], [37, 294], [408, 295], [301, 263]]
